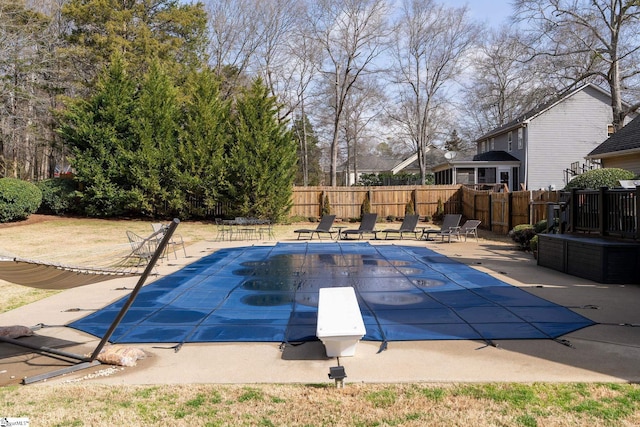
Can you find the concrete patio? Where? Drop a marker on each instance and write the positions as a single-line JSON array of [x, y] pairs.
[[606, 352]]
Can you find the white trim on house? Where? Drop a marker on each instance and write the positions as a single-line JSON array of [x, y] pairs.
[[613, 154], [403, 164]]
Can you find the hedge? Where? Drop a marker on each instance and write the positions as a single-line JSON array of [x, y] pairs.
[[18, 199]]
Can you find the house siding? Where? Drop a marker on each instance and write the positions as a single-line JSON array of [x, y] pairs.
[[629, 162], [563, 134]]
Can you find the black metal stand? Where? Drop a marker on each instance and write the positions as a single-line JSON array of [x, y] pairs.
[[87, 362]]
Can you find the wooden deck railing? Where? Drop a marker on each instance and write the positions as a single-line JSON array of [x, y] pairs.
[[605, 212]]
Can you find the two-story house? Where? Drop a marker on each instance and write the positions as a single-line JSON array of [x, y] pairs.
[[535, 150]]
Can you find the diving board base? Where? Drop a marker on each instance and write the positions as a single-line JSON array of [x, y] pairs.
[[340, 325]]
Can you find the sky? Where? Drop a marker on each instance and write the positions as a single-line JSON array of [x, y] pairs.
[[493, 12]]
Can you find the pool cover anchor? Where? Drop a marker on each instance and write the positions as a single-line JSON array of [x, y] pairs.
[[489, 343], [564, 342]]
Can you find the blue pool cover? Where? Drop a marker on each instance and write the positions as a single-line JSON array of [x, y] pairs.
[[270, 294]]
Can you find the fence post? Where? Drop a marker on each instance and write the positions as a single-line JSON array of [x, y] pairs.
[[637, 213], [573, 210], [602, 208], [414, 200], [510, 211], [474, 213], [490, 212]]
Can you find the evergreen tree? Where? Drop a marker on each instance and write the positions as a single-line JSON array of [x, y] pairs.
[[262, 157], [454, 142], [99, 131], [154, 161], [203, 139], [142, 31]]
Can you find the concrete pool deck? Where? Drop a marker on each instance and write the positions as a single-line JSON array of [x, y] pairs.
[[606, 352]]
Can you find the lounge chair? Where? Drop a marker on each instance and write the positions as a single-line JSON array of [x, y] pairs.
[[366, 226], [323, 227], [408, 226], [469, 227], [174, 242], [449, 223]]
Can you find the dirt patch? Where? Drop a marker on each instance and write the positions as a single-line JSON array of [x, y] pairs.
[[32, 219]]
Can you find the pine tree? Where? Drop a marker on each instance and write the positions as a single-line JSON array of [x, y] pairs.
[[154, 161], [99, 131], [454, 142], [262, 157], [203, 139], [142, 31]]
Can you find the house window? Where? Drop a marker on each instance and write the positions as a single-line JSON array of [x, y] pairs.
[[493, 144], [509, 141], [520, 139], [486, 175], [465, 176], [482, 146], [610, 130]]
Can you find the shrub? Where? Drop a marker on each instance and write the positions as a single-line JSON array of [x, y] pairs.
[[326, 206], [366, 206], [522, 235], [18, 199], [296, 218], [58, 196], [409, 209], [540, 226], [533, 244], [596, 178], [439, 215]]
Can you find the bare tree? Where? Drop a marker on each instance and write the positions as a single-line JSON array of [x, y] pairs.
[[361, 110], [56, 77], [276, 56], [588, 40], [352, 33], [235, 32], [501, 86], [23, 103], [303, 56], [432, 42]]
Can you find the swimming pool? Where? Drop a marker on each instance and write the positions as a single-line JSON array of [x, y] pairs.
[[270, 294]]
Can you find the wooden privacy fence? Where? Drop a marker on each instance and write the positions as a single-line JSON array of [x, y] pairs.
[[346, 202], [500, 212]]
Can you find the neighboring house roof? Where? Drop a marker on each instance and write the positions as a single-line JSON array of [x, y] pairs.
[[371, 164], [625, 140], [536, 111], [494, 156], [484, 160], [434, 157], [405, 163]]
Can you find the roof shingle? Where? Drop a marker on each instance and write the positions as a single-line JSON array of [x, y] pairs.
[[627, 138]]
